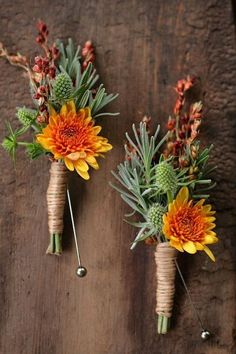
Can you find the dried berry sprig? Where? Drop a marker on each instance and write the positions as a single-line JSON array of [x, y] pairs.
[[182, 143], [88, 54]]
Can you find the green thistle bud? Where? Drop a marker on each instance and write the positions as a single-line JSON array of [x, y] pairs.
[[166, 178], [26, 116], [63, 86], [155, 215], [10, 145]]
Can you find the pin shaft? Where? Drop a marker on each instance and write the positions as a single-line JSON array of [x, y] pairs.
[[73, 226], [189, 296]]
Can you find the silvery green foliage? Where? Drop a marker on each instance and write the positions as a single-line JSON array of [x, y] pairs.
[[84, 82], [147, 180]]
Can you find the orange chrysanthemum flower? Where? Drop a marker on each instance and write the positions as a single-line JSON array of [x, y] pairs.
[[189, 226], [72, 136]]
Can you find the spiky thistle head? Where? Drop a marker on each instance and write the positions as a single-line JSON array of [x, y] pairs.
[[63, 87], [26, 116], [155, 216], [166, 178]]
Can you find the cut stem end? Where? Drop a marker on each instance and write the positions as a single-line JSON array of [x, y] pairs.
[[55, 245], [163, 324]]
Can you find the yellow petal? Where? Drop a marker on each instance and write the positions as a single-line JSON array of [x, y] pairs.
[[53, 120], [176, 245], [64, 110], [189, 247], [83, 174], [209, 253], [92, 162], [210, 227], [69, 164], [211, 233], [97, 129], [199, 246], [165, 219], [182, 196], [209, 218], [74, 156], [105, 148], [208, 239], [81, 165], [71, 106], [206, 208], [68, 107], [166, 231], [87, 112], [200, 202], [52, 111], [43, 141]]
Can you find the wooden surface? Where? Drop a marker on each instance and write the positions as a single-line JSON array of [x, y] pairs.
[[142, 48]]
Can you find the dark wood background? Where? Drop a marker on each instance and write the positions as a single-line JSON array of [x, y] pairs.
[[142, 48]]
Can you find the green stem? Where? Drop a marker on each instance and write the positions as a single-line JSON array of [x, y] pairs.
[[55, 246], [170, 197], [163, 324], [22, 143]]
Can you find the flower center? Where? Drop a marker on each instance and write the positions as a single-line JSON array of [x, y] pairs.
[[68, 132], [188, 224]]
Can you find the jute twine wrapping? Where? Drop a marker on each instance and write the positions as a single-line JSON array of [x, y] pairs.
[[56, 197], [165, 260]]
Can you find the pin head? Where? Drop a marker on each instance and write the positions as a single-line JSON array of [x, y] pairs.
[[205, 334], [81, 271]]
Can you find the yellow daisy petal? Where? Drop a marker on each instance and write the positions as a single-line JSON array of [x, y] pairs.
[[43, 141], [74, 156], [69, 164], [83, 174], [199, 246], [71, 106], [209, 253], [97, 129], [200, 202], [81, 165], [176, 245], [182, 196], [208, 239], [87, 112], [92, 162], [52, 111], [189, 247], [64, 109]]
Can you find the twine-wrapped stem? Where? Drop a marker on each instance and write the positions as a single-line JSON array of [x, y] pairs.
[[56, 197], [165, 257]]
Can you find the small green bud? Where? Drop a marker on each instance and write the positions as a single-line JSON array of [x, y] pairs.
[[26, 116], [155, 215], [166, 178], [9, 144], [63, 86]]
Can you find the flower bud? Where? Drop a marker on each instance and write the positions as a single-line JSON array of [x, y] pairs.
[[155, 215], [63, 86], [26, 116], [166, 178]]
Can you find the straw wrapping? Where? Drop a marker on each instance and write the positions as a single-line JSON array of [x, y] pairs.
[[165, 257]]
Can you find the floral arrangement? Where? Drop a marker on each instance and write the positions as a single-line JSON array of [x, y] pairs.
[[66, 102], [166, 183]]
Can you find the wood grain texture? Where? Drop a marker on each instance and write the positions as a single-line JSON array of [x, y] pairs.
[[142, 48]]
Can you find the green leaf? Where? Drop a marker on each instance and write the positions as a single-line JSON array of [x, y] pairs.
[[34, 150]]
